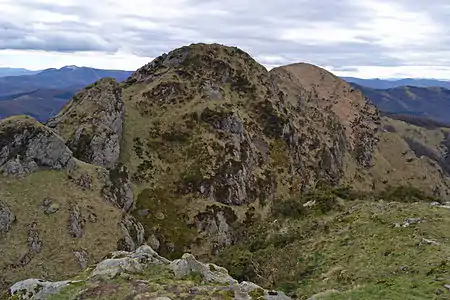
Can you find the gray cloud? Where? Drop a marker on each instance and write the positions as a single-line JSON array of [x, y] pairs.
[[335, 33]]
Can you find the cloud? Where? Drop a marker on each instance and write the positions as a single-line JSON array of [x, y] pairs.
[[344, 35]]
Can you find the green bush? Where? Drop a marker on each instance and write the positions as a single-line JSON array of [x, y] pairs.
[[322, 201], [405, 194], [239, 262]]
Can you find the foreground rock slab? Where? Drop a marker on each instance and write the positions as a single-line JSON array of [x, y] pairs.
[[143, 274]]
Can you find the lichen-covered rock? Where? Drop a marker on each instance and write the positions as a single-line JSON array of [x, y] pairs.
[[92, 123], [37, 289], [26, 145], [7, 217]]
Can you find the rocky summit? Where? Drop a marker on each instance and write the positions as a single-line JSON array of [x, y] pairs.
[[289, 178]]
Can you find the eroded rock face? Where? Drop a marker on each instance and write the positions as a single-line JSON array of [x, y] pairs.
[[26, 145], [7, 217], [92, 123]]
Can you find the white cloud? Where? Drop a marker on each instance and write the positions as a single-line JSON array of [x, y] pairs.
[[383, 36]]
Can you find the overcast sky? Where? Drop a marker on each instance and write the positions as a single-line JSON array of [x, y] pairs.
[[365, 38]]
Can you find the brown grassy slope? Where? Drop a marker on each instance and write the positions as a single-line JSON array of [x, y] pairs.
[[409, 154], [396, 160], [56, 258], [333, 93], [41, 244]]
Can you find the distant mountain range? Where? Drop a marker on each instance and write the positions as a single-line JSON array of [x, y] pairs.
[[425, 102], [42, 95], [389, 84], [16, 72]]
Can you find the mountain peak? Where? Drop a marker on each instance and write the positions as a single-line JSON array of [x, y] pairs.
[[204, 59], [71, 67]]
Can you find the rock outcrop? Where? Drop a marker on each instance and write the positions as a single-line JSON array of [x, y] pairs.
[[7, 217], [133, 233], [92, 123], [123, 274], [26, 145]]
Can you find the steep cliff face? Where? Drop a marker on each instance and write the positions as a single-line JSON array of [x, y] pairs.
[[92, 122]]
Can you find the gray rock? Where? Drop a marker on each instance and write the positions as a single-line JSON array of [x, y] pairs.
[[429, 242], [37, 289], [247, 287], [411, 221], [133, 233], [210, 272], [117, 187], [26, 145], [82, 258], [76, 221], [49, 207], [7, 217], [110, 268], [94, 137], [47, 202], [34, 242]]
